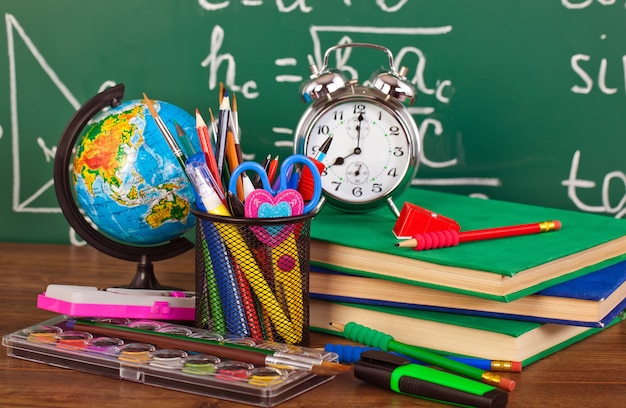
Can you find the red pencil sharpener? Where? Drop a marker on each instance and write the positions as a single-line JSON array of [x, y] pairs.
[[414, 219]]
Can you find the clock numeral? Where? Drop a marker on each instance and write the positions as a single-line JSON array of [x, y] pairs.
[[323, 130], [358, 108], [397, 151], [377, 188], [338, 115], [394, 131], [337, 184], [357, 192], [393, 172]]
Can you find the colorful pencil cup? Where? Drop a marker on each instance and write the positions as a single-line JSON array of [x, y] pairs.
[[252, 276]]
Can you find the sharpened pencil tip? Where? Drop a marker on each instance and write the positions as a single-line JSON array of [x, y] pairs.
[[147, 102], [337, 326], [225, 104]]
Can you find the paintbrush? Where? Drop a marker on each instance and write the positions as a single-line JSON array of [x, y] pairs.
[[169, 138], [256, 356]]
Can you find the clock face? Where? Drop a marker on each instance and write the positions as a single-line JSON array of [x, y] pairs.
[[370, 153]]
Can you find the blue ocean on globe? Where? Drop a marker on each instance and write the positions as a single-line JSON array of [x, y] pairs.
[[126, 178]]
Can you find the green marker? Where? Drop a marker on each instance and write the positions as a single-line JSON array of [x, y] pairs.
[[400, 375]]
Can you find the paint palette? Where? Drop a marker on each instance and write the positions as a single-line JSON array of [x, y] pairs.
[[57, 342]]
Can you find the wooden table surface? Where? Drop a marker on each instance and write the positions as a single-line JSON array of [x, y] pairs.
[[591, 373]]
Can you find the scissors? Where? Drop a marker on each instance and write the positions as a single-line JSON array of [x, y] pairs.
[[285, 305], [283, 193]]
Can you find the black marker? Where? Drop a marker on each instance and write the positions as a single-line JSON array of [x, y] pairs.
[[400, 375]]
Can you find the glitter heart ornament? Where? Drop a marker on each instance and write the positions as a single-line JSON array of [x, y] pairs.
[[261, 204]]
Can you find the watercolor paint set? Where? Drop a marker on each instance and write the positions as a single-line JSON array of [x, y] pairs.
[[176, 357]]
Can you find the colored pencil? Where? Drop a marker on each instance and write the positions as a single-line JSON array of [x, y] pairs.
[[236, 131], [222, 133], [207, 148], [448, 238], [213, 304], [386, 342], [225, 278], [213, 126], [351, 353], [249, 307], [184, 140], [222, 92]]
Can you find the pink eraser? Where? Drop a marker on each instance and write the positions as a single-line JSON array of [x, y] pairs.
[[506, 384]]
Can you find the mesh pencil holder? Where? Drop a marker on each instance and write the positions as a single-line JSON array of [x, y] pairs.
[[252, 276]]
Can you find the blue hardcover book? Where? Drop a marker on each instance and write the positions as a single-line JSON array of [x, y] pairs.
[[592, 300]]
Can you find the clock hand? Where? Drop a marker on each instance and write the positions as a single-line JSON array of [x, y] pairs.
[[340, 160], [358, 131], [357, 150]]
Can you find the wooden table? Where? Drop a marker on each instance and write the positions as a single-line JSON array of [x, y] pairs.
[[591, 373]]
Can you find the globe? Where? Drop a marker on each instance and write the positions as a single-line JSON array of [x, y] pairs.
[[126, 178]]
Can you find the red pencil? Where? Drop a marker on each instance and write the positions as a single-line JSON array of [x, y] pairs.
[[249, 307], [207, 148], [448, 238]]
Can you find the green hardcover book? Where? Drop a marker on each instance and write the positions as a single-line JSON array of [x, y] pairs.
[[499, 269], [592, 300], [449, 333]]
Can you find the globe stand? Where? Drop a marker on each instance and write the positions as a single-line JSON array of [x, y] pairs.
[[144, 276]]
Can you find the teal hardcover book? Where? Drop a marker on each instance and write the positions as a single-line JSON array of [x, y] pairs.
[[498, 269], [449, 333]]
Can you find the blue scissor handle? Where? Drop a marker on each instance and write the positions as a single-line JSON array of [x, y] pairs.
[[249, 166], [287, 163]]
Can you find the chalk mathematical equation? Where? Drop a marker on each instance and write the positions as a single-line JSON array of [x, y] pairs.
[[441, 90], [285, 6]]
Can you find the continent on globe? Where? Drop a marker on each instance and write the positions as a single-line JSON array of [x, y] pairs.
[[127, 180]]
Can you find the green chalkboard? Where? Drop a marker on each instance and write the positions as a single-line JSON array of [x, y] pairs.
[[517, 100]]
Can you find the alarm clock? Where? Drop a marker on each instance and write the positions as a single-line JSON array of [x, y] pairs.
[[363, 136]]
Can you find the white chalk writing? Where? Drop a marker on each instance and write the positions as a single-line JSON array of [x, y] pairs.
[[574, 183]]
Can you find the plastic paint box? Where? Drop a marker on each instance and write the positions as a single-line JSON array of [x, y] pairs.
[[56, 343]]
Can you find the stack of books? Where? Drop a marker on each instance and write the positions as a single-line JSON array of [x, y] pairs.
[[519, 298]]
